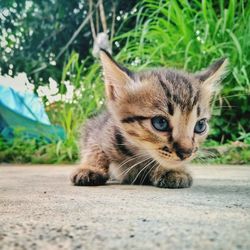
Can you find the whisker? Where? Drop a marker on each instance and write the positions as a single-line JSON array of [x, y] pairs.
[[126, 171], [127, 160], [142, 170], [150, 170]]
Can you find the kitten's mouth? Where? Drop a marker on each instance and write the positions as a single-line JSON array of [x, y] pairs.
[[164, 157]]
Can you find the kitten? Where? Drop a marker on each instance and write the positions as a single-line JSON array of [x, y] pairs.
[[155, 123]]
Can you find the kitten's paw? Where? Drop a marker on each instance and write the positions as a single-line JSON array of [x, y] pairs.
[[174, 179], [88, 177]]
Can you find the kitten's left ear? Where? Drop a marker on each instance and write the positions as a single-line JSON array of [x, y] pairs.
[[213, 74], [116, 77]]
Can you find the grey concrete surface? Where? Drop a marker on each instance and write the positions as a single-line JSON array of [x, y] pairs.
[[39, 209]]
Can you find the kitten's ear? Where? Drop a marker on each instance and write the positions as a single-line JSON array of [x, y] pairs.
[[213, 74], [116, 77]]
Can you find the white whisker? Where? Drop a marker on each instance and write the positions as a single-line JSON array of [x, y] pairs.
[[126, 171], [142, 170], [150, 170], [127, 160]]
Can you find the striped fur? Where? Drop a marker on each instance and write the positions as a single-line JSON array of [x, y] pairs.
[[122, 140]]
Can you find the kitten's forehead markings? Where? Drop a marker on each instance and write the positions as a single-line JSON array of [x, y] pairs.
[[180, 90], [168, 96], [170, 109], [198, 111]]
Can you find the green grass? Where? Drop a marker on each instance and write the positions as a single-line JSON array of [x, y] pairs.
[[179, 34], [191, 35], [36, 151], [224, 154]]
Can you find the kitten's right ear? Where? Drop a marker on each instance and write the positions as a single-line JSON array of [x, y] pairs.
[[116, 77], [211, 76], [214, 72]]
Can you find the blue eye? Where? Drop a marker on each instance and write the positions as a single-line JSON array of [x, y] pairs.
[[200, 126], [160, 123]]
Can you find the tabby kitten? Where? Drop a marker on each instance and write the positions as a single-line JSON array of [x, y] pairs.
[[155, 122]]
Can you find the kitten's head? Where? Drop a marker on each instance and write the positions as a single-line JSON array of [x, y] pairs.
[[164, 112]]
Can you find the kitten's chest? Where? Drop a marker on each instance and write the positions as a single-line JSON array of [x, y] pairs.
[[133, 170]]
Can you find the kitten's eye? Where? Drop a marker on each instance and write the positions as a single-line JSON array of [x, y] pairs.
[[200, 126], [160, 123]]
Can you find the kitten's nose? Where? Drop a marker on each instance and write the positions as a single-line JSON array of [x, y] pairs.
[[182, 152]]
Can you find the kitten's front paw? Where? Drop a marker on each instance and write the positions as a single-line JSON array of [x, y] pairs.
[[88, 177], [174, 179]]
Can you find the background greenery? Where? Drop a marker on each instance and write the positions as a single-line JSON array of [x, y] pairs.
[[41, 39]]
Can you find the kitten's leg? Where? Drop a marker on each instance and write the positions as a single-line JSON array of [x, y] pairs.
[[93, 170], [171, 178]]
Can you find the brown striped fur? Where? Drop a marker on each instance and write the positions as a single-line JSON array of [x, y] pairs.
[[122, 141]]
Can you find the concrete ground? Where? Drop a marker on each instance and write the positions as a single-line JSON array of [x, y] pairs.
[[40, 209]]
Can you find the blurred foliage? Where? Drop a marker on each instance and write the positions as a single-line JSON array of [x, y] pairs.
[[36, 151], [33, 33], [234, 153], [148, 33]]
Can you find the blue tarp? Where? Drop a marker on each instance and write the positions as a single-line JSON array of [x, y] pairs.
[[24, 111]]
